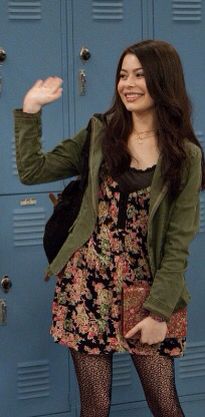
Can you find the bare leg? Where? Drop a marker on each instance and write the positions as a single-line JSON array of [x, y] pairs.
[[94, 374], [157, 376]]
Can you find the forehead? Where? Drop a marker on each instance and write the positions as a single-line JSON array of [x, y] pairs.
[[130, 62]]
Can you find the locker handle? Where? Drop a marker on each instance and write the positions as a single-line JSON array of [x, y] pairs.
[[85, 54], [2, 55], [2, 59], [82, 82], [6, 283]]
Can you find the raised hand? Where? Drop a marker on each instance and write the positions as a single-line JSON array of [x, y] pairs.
[[41, 93]]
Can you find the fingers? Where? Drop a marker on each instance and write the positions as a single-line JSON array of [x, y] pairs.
[[133, 331], [151, 331], [150, 340], [38, 83], [43, 92], [52, 88], [52, 83]]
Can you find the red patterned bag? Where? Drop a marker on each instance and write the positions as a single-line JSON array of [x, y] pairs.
[[133, 298]]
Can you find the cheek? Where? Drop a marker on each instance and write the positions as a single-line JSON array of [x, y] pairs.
[[150, 100], [147, 92], [120, 87]]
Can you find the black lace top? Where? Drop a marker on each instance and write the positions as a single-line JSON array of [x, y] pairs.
[[132, 180]]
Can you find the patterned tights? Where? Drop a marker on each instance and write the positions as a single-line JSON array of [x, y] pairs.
[[157, 377], [94, 374]]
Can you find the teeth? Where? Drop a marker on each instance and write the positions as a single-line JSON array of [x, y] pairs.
[[133, 94]]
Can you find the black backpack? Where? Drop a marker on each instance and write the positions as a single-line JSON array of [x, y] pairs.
[[67, 208]]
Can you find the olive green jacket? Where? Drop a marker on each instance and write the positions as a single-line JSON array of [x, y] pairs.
[[171, 225]]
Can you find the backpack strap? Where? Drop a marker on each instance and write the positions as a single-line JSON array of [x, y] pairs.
[[86, 151]]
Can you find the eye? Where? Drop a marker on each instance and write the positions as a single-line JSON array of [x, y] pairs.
[[122, 76], [140, 74]]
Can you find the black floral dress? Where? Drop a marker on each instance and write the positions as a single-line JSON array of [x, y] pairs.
[[87, 303]]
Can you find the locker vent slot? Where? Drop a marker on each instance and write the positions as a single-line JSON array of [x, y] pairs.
[[33, 380], [187, 10], [107, 10], [202, 213], [193, 363], [24, 10], [28, 226], [122, 371]]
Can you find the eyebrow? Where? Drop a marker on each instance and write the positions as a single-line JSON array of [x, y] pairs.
[[135, 69]]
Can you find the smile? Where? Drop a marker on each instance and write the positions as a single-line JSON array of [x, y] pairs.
[[133, 96]]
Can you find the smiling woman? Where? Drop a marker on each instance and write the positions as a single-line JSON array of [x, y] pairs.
[[139, 213], [132, 87]]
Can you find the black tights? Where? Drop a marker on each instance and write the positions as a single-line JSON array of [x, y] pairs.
[[157, 377], [94, 374]]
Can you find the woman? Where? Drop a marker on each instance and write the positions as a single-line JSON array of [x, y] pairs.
[[139, 213]]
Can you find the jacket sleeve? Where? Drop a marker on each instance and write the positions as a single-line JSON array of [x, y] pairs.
[[169, 283], [35, 166]]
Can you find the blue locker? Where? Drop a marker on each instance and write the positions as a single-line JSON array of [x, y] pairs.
[[44, 38], [34, 371]]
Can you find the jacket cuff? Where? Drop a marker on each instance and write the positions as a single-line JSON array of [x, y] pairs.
[[19, 113], [156, 317], [157, 308]]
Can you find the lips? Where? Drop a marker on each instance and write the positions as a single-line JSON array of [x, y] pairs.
[[132, 96]]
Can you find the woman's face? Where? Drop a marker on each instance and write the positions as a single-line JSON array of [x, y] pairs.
[[132, 86]]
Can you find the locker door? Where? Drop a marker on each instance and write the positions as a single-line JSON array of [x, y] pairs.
[[33, 51], [35, 373], [104, 28], [182, 24]]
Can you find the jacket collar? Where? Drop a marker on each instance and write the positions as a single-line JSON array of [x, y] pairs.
[[158, 191], [95, 159]]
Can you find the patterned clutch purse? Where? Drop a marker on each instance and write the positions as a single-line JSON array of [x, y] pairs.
[[133, 312]]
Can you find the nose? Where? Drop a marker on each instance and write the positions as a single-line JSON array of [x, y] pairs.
[[131, 81]]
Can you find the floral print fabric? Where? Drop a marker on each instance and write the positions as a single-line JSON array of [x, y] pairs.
[[87, 302]]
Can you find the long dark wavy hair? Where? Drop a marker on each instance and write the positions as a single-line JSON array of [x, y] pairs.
[[165, 82]]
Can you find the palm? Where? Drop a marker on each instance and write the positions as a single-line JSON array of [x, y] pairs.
[[43, 92]]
